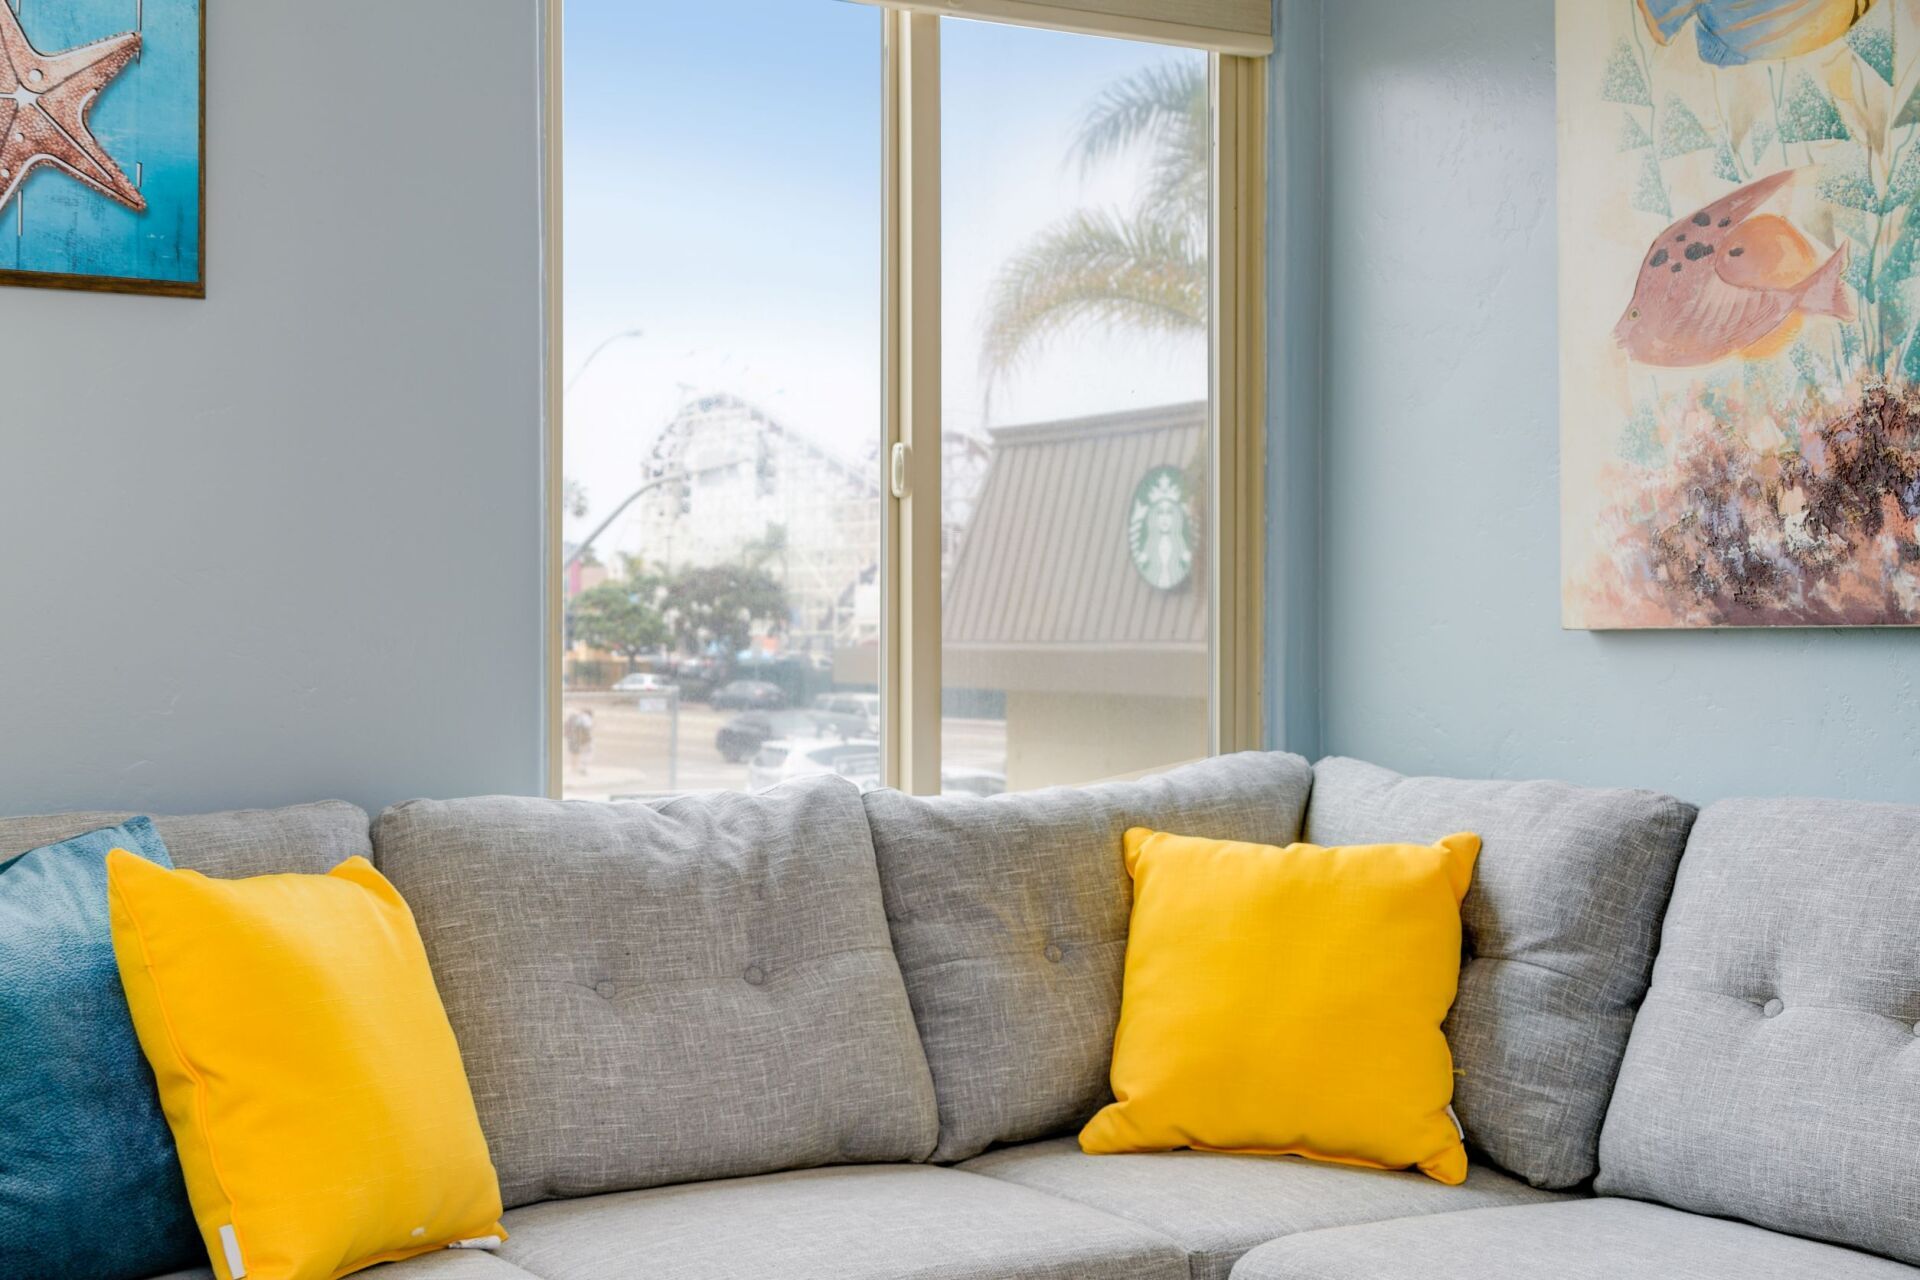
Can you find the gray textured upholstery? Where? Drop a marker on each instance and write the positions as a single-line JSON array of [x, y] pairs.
[[1009, 916], [1579, 1240], [875, 1223], [1774, 1074], [648, 994], [306, 839], [1561, 925], [452, 1264], [1216, 1207]]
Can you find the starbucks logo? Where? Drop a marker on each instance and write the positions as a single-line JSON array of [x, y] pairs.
[[1160, 529]]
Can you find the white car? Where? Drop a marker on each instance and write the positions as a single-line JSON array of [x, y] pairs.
[[785, 759], [864, 705], [642, 682]]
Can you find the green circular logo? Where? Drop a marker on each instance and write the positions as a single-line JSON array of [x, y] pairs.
[[1160, 529]]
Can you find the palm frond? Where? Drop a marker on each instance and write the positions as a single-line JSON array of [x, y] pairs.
[[1164, 107], [1147, 105], [1145, 271]]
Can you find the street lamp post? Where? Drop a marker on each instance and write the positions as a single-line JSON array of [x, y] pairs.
[[586, 543], [624, 335]]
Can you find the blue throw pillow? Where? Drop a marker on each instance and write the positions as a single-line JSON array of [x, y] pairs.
[[89, 1181]]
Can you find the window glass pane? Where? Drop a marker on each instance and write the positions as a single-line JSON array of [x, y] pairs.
[[723, 198], [1075, 304]]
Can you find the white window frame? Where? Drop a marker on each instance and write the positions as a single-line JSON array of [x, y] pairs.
[[910, 647]]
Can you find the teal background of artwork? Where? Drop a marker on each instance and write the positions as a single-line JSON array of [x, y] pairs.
[[148, 119]]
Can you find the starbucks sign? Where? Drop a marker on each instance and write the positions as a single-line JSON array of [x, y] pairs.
[[1160, 529]]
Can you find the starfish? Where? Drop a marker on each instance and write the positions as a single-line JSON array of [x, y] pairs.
[[44, 101]]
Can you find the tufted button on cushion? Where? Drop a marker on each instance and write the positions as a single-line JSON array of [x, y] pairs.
[[1055, 954], [532, 911], [1811, 1126]]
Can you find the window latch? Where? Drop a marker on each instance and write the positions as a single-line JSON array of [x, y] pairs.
[[902, 456]]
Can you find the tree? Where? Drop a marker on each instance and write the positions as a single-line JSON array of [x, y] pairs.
[[769, 547], [721, 604], [617, 617], [573, 498], [1145, 267]]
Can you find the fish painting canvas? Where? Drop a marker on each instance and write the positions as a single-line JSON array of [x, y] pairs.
[[1739, 313], [102, 145]]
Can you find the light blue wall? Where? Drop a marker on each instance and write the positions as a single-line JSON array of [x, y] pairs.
[[285, 543], [1440, 647]]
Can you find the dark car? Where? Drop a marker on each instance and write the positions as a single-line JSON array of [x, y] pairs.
[[743, 735], [699, 677], [749, 695]]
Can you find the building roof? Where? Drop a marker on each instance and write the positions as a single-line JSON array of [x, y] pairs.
[[1047, 566]]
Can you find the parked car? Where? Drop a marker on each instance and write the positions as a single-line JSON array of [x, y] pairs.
[[746, 733], [784, 759], [699, 677], [749, 695], [642, 682], [864, 705], [955, 780]]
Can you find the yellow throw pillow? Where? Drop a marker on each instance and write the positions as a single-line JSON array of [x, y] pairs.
[[1289, 1002], [305, 1066]]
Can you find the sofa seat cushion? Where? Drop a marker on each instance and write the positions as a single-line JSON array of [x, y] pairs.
[[873, 1223], [1578, 1240], [306, 839], [1561, 925], [1009, 916], [453, 1264], [1216, 1207], [701, 987], [1774, 1074]]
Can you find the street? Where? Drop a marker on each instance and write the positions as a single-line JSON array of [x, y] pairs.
[[631, 759]]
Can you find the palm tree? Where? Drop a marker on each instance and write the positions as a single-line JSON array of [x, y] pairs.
[[1144, 268]]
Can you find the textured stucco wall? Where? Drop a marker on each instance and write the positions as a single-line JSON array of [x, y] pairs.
[[286, 543], [1440, 643]]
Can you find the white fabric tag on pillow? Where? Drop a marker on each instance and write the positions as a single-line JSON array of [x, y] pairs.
[[230, 1245], [477, 1242]]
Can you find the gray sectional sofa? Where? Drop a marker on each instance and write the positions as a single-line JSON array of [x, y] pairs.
[[814, 1034]]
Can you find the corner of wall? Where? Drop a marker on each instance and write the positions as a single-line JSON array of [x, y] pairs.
[[1297, 288]]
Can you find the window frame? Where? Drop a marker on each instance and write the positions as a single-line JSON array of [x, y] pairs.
[[910, 654]]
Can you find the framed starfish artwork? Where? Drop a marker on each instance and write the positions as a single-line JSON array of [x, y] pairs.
[[102, 145]]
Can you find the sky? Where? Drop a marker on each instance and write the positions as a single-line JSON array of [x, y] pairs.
[[723, 219]]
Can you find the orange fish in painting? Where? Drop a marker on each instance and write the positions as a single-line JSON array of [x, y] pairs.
[[1730, 280]]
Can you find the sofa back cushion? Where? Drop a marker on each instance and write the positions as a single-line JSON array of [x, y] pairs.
[[1009, 916], [307, 839], [1774, 1073], [1561, 924], [646, 994]]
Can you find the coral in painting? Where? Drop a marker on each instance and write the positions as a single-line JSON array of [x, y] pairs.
[[1741, 312], [1810, 524]]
